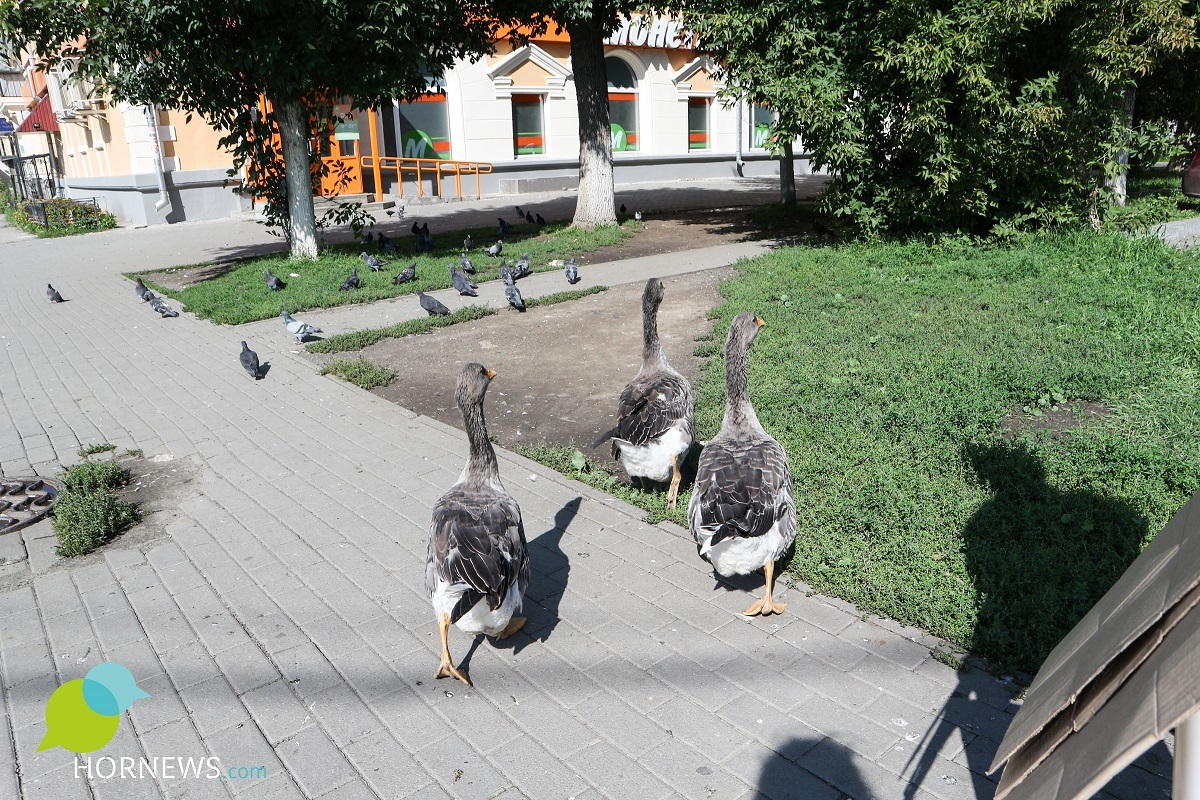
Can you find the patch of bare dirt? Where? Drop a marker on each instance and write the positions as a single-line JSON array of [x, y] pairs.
[[1059, 420], [177, 278], [559, 368]]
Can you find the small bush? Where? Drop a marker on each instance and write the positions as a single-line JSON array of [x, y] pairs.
[[64, 217], [562, 297], [90, 477], [360, 372], [85, 520], [93, 449]]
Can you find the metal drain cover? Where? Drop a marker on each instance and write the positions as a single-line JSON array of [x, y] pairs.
[[24, 501]]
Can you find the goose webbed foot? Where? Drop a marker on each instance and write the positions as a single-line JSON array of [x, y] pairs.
[[515, 624], [766, 605], [446, 668]]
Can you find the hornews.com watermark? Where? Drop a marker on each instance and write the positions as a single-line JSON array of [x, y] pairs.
[[82, 716]]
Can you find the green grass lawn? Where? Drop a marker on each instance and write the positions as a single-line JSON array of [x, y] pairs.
[[241, 295], [886, 372]]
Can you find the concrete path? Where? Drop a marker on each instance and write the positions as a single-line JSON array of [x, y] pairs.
[[277, 614], [1180, 233]]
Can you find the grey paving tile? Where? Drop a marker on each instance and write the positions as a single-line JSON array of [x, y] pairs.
[[691, 774], [776, 778], [246, 667], [277, 711], [314, 762], [213, 706], [388, 769], [538, 773], [624, 777], [343, 715]]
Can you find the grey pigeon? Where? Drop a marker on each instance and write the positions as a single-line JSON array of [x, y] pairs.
[[249, 360], [150, 296], [273, 283], [383, 240], [370, 237], [540, 219], [622, 208], [462, 283], [637, 215], [387, 245], [514, 295], [425, 230], [298, 328], [529, 217], [416, 229], [374, 262], [519, 212], [521, 268], [432, 304], [141, 290], [495, 250], [468, 242], [53, 295], [505, 272], [352, 281], [465, 265], [424, 242], [407, 274], [503, 228], [572, 271], [162, 308]]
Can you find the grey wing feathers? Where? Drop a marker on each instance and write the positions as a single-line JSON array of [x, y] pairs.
[[479, 542], [650, 406], [741, 492]]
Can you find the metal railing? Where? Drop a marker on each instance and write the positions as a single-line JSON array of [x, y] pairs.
[[431, 168]]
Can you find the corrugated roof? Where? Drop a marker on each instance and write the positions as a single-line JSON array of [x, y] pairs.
[[42, 117]]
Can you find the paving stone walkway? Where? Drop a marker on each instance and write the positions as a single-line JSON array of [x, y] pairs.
[[278, 619]]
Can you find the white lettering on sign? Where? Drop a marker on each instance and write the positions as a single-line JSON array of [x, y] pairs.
[[657, 32]]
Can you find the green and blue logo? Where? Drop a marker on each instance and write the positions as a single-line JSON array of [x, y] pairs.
[[82, 715]]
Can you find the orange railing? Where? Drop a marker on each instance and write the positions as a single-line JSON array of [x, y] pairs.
[[432, 168]]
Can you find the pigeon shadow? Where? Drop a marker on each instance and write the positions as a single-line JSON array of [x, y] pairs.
[[549, 570], [263, 369]]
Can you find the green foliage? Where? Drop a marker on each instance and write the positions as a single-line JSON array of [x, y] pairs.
[[896, 376], [92, 449], [87, 513], [241, 295], [574, 464], [562, 297], [95, 476], [65, 217], [357, 340], [1154, 197], [951, 116], [359, 371]]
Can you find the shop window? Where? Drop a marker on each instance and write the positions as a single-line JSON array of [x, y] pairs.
[[528, 132], [697, 123], [622, 104], [761, 118], [417, 129]]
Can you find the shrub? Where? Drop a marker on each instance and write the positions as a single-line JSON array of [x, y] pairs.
[[62, 217], [85, 520], [90, 477]]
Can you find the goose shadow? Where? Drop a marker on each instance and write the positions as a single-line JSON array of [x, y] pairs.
[[808, 766], [548, 574]]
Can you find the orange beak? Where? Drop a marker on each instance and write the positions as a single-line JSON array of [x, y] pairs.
[[759, 320], [662, 285], [491, 373]]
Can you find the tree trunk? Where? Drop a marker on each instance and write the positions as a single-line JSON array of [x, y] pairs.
[[787, 176], [596, 201], [1117, 183], [293, 129]]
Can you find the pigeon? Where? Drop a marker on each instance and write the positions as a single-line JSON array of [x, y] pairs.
[[521, 268], [519, 212], [162, 308], [572, 271], [462, 283], [424, 243], [465, 265], [432, 304], [249, 360], [407, 274], [505, 272], [503, 228], [495, 250], [141, 290], [352, 281], [374, 262], [514, 295], [637, 215], [425, 231], [468, 242], [387, 245], [529, 217], [622, 208], [298, 328], [370, 237], [273, 283], [150, 296], [541, 221], [53, 295], [416, 229], [383, 240]]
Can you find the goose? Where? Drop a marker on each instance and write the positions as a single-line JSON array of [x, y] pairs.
[[655, 413], [477, 564], [742, 514]]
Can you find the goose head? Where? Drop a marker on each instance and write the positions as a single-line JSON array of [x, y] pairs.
[[472, 385], [652, 297], [745, 328]]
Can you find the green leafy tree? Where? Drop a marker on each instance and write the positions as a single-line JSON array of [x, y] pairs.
[[216, 58], [953, 115]]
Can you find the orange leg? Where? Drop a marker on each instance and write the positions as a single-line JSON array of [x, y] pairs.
[[446, 669], [765, 605]]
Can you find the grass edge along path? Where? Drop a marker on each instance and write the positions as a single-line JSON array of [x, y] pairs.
[[357, 340], [360, 371], [240, 295]]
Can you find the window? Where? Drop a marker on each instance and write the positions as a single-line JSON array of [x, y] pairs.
[[528, 134], [622, 104], [697, 123], [761, 118], [417, 129]]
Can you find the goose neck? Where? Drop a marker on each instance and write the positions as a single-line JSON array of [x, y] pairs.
[[481, 464], [652, 350]]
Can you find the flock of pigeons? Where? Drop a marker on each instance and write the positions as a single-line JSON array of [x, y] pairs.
[[156, 302]]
